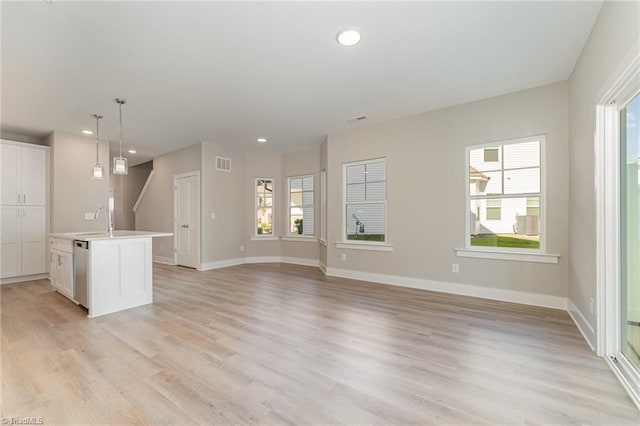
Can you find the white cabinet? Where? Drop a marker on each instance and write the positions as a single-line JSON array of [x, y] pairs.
[[61, 267], [23, 174]]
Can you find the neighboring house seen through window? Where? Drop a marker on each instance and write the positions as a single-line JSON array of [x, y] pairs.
[[264, 207], [505, 194], [365, 200], [301, 205]]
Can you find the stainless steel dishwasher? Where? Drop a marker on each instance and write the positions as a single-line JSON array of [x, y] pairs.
[[80, 263]]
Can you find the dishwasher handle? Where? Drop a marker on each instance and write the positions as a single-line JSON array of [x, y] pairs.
[[81, 244]]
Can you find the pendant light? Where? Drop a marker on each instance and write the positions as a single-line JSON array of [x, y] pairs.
[[98, 170], [120, 163]]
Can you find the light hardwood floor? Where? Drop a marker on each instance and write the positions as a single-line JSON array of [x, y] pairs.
[[282, 344]]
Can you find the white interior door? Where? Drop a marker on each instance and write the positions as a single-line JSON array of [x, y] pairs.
[[187, 224]]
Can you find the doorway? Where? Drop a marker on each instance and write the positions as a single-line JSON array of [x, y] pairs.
[[186, 208]]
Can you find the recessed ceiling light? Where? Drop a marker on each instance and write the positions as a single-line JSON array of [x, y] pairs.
[[87, 132], [132, 151], [261, 140], [348, 37]]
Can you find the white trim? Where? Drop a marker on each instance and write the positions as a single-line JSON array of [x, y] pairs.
[[25, 144], [263, 259], [164, 260], [535, 256], [364, 246], [534, 299], [323, 206], [22, 279], [624, 380], [301, 239], [300, 261], [583, 325], [221, 264], [322, 267], [542, 194], [322, 241], [265, 238], [144, 190]]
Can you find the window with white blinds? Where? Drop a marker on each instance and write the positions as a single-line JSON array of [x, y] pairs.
[[365, 195]]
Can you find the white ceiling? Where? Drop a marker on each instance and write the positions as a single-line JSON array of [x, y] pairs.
[[231, 72]]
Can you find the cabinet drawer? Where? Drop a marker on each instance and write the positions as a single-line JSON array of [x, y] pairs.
[[61, 244]]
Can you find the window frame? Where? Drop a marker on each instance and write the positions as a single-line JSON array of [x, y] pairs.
[[507, 253], [255, 235], [289, 234], [323, 206], [364, 245]]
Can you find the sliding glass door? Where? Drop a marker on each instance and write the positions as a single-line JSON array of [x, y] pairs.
[[630, 232]]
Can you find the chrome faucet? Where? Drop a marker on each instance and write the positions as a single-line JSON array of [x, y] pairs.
[[110, 218]]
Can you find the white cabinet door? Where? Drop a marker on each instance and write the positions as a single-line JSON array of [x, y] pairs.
[[34, 164], [9, 174], [10, 232], [53, 267], [34, 241], [64, 273]]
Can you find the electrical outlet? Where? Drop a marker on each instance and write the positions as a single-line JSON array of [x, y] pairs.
[[591, 306], [455, 267], [89, 216], [343, 257], [241, 248]]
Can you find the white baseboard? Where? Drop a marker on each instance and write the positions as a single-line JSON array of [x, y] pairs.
[[300, 261], [164, 260], [322, 267], [257, 259], [24, 278], [221, 264], [534, 299], [583, 325]]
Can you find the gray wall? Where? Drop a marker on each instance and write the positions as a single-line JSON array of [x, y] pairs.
[[614, 34], [73, 192], [426, 187], [155, 212], [126, 189], [223, 194]]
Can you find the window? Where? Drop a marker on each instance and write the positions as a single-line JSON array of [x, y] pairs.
[[323, 206], [491, 155], [505, 193], [494, 209], [365, 200], [264, 207], [301, 205]]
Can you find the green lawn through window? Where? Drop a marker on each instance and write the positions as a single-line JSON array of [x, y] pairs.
[[492, 240], [366, 237]]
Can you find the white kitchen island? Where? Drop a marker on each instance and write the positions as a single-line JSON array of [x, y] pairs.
[[119, 271]]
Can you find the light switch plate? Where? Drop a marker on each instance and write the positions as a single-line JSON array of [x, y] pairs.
[[89, 216]]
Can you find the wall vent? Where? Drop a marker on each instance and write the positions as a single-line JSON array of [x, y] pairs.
[[356, 119], [223, 164]]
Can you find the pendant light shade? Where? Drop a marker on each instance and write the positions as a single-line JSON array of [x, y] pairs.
[[98, 170], [120, 166]]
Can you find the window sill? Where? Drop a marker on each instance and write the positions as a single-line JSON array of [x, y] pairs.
[[508, 255], [300, 238], [265, 238], [364, 246]]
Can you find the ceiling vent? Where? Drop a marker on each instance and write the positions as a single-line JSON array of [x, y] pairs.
[[223, 164], [356, 119]]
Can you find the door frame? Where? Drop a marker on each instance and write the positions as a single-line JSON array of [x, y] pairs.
[[195, 173], [621, 88]]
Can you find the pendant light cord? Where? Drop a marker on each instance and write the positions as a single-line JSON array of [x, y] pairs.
[[98, 117]]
